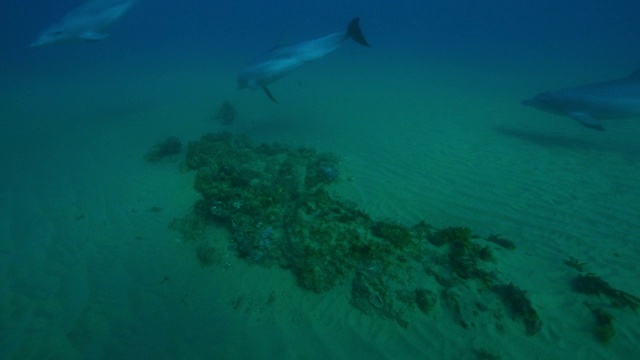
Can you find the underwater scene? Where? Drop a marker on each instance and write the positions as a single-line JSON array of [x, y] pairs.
[[320, 179]]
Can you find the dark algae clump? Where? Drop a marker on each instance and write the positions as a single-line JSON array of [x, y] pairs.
[[517, 301], [392, 232], [227, 113], [603, 330], [594, 286], [483, 354], [504, 242], [167, 147], [450, 235], [591, 284], [426, 300], [575, 263], [464, 254]]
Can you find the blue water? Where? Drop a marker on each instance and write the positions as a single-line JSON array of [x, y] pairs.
[[430, 124], [589, 30]]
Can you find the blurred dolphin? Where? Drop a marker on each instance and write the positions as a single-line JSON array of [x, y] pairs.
[[588, 104], [284, 59], [85, 22]]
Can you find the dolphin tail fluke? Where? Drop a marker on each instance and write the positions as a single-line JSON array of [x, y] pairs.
[[354, 32], [269, 94]]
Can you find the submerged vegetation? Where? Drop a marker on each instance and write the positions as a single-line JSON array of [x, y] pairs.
[[227, 113], [167, 147], [592, 284], [603, 330], [499, 240], [575, 263], [277, 206], [517, 301]]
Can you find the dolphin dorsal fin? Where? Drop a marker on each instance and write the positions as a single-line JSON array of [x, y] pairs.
[[281, 41], [635, 75]]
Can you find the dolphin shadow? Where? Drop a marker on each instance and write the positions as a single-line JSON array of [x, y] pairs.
[[548, 140], [630, 151]]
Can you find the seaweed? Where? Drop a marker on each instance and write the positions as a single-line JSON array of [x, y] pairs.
[[591, 284], [574, 263], [484, 354], [422, 230], [504, 242], [485, 253], [517, 301], [464, 255], [398, 235], [426, 300], [167, 147], [226, 113], [450, 235], [604, 330]]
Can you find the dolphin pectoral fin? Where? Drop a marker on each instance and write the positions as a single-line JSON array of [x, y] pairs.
[[93, 36], [269, 94], [587, 121]]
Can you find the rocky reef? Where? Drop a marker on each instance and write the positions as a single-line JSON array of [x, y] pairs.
[[276, 206], [276, 203]]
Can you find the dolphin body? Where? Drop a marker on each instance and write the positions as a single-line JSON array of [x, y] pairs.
[[85, 22], [284, 59], [591, 103]]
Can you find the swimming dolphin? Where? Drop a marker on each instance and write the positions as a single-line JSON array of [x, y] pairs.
[[284, 59], [613, 99], [85, 22]]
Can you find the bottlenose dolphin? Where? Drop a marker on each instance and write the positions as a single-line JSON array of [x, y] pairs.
[[613, 99], [85, 22], [284, 59]]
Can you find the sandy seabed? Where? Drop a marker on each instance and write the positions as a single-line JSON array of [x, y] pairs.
[[91, 270]]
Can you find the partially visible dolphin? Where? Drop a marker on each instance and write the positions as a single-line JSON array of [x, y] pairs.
[[284, 59], [588, 104], [85, 22]]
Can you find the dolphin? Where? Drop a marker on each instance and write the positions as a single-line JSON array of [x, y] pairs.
[[284, 59], [85, 22], [591, 103]]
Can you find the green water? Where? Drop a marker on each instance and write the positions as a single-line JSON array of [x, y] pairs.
[[90, 271]]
